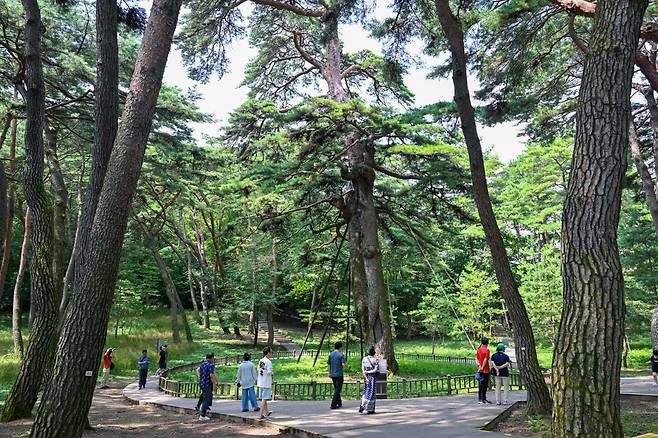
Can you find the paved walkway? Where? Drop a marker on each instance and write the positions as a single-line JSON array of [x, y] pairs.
[[456, 416]]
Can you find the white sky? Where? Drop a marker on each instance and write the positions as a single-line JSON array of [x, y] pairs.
[[221, 96]]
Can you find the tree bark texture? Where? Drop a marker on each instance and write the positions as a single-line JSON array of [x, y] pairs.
[[654, 329], [45, 300], [11, 199], [18, 287], [538, 397], [587, 357], [67, 397]]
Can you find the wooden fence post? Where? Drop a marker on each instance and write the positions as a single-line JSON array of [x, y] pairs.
[[358, 389], [449, 384], [273, 390], [404, 388], [314, 389]]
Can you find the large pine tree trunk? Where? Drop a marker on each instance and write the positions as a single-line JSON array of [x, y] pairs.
[[538, 397], [45, 300], [368, 282], [66, 399], [18, 287], [106, 114], [586, 361]]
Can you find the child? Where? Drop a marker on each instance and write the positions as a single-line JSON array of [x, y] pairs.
[[654, 366]]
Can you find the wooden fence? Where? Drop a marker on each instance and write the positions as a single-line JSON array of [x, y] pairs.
[[395, 389]]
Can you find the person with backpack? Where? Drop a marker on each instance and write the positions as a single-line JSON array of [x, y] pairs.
[[107, 366], [246, 378], [501, 365]]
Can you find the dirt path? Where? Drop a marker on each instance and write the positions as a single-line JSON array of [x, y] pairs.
[[111, 416]]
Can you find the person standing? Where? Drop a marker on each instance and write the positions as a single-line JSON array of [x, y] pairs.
[[482, 357], [207, 383], [265, 373], [336, 362], [162, 363], [369, 368], [246, 379], [143, 363], [501, 365], [107, 366]]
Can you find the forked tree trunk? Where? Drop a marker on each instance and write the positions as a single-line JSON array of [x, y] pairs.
[[18, 287], [538, 397], [45, 300], [106, 114], [190, 280], [587, 357], [67, 397]]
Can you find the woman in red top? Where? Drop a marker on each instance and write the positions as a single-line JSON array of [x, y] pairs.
[[107, 365], [482, 357]]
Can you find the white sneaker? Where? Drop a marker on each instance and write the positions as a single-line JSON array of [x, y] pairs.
[[202, 418]]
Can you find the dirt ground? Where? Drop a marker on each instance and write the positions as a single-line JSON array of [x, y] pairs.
[[112, 417], [638, 417]]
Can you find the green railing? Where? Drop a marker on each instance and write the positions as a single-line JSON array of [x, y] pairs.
[[397, 389]]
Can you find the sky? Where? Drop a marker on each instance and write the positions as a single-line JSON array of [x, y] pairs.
[[221, 96]]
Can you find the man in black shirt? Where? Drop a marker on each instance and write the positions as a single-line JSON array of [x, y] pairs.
[[654, 366]]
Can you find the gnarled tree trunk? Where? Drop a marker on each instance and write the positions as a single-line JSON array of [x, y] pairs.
[[587, 357]]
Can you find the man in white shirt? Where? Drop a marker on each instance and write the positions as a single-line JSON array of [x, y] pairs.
[[265, 382]]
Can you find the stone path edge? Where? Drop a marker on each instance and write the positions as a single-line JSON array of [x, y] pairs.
[[285, 430]]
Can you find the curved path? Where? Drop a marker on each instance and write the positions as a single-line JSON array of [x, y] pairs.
[[457, 416]]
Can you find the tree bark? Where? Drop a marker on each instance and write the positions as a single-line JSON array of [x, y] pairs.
[[11, 200], [41, 343], [369, 281], [190, 280], [587, 357], [106, 114], [18, 287], [538, 397], [67, 397]]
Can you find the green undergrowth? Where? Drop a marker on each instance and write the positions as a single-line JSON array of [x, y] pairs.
[[289, 371]]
